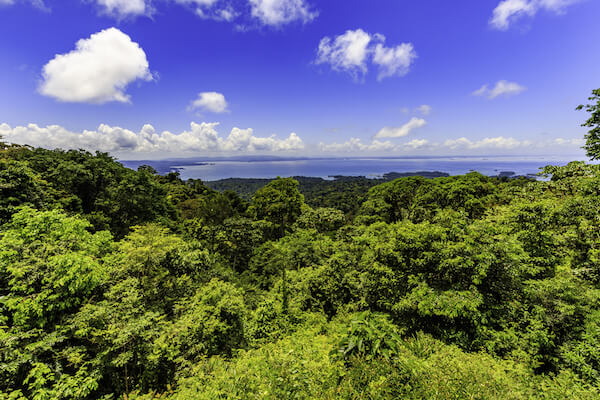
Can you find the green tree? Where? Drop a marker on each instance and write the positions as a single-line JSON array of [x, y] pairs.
[[279, 202], [592, 138], [20, 185], [50, 266]]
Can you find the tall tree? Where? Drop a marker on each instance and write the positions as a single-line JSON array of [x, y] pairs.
[[279, 202]]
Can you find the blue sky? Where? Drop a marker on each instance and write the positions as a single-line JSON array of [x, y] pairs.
[[166, 78]]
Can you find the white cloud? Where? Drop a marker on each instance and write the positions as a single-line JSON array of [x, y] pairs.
[[227, 13], [394, 61], [97, 71], [201, 137], [267, 12], [462, 145], [404, 130], [502, 88], [204, 138], [125, 8], [347, 52], [198, 3], [508, 11], [39, 4], [499, 142], [356, 145], [279, 12], [353, 50], [133, 8], [425, 109], [569, 142], [211, 9], [416, 143], [210, 101]]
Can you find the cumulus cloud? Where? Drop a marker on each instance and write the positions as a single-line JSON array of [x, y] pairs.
[[204, 138], [279, 12], [201, 137], [346, 52], [404, 130], [508, 11], [354, 50], [210, 101], [502, 88], [393, 61], [97, 71]]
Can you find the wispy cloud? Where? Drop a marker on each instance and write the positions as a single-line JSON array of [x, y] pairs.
[[280, 12], [39, 4], [461, 145], [501, 88], [425, 109], [124, 8], [509, 11], [401, 131], [264, 12]]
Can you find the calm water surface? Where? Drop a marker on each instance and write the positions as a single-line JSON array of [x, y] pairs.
[[370, 167]]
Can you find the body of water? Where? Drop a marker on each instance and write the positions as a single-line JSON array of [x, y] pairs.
[[369, 167]]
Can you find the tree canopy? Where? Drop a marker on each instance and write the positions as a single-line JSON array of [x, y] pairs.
[[117, 283]]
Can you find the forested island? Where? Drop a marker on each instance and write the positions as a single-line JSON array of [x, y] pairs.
[[117, 283]]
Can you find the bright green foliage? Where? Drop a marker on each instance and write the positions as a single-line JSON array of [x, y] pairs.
[[49, 265], [165, 267], [370, 337], [209, 323], [298, 367], [279, 203], [301, 249], [592, 144], [324, 220]]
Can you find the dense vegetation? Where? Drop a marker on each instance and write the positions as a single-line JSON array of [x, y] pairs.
[[117, 283], [345, 193]]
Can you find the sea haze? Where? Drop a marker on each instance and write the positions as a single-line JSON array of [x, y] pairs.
[[212, 169]]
